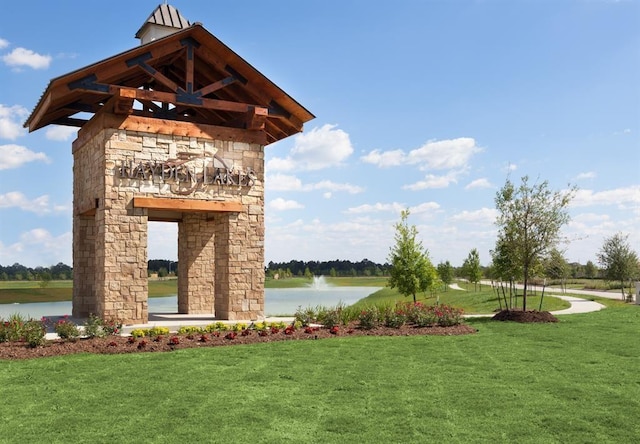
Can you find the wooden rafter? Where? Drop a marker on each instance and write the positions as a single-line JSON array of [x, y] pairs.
[[204, 80]]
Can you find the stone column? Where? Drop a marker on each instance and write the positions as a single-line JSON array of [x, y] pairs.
[[84, 302], [121, 261], [196, 264], [239, 269]]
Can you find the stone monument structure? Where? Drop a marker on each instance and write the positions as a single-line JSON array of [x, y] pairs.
[[172, 130]]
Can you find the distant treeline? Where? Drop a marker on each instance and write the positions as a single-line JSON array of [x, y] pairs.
[[335, 268], [18, 272]]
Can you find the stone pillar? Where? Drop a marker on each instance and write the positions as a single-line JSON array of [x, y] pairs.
[[121, 261], [84, 303], [196, 264], [239, 269]]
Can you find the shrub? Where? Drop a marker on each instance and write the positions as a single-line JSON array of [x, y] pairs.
[[393, 317], [93, 327], [189, 329], [329, 318], [33, 332], [4, 330], [158, 331], [111, 326], [216, 327], [259, 326], [448, 316], [306, 316], [369, 318], [138, 333], [13, 328], [66, 329], [239, 326]]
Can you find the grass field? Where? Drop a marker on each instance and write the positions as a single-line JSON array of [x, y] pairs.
[[576, 381], [484, 300], [26, 292]]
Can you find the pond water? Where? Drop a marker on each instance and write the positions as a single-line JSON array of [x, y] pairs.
[[277, 302]]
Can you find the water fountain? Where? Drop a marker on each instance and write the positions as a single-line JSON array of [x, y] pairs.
[[319, 283]]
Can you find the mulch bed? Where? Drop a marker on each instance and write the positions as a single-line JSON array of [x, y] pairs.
[[121, 344], [525, 316]]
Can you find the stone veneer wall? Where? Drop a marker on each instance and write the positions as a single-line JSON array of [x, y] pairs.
[[221, 255]]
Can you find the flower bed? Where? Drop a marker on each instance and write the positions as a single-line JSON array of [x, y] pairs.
[[374, 321]]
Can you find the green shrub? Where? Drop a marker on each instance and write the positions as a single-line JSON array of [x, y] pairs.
[[33, 332], [393, 317], [239, 326], [158, 331], [66, 329], [306, 316], [93, 327], [189, 329], [139, 332], [13, 328], [368, 318], [329, 318], [448, 316]]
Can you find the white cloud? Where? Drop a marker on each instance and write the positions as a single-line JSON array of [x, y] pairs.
[[433, 155], [3, 43], [394, 207], [434, 181], [327, 195], [426, 207], [14, 156], [60, 133], [280, 204], [622, 197], [479, 183], [26, 57], [284, 182], [587, 175], [10, 121], [507, 168], [332, 186], [483, 215], [38, 247], [385, 159], [317, 149], [39, 205]]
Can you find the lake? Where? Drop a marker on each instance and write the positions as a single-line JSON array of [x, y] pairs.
[[277, 302]]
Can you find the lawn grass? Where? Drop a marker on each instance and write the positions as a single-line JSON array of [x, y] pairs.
[[29, 291], [482, 301], [574, 381]]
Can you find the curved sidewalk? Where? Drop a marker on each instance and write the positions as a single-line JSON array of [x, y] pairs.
[[578, 305]]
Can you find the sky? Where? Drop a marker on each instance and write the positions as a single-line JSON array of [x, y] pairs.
[[422, 105]]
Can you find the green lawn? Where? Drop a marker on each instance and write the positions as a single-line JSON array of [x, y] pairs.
[[25, 291], [484, 300], [574, 381]]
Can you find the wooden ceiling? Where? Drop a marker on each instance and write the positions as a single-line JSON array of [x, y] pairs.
[[187, 76]]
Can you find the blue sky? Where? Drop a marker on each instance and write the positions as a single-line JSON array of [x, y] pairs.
[[426, 105]]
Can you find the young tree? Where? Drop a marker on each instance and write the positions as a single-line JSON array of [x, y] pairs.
[[471, 267], [411, 269], [529, 222], [619, 262], [556, 267], [590, 270], [445, 271]]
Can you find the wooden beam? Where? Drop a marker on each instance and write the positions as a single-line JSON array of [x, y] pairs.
[[215, 86], [256, 118], [160, 96], [187, 205]]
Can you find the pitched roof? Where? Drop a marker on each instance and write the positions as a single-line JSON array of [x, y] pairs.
[[165, 15], [189, 75]]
